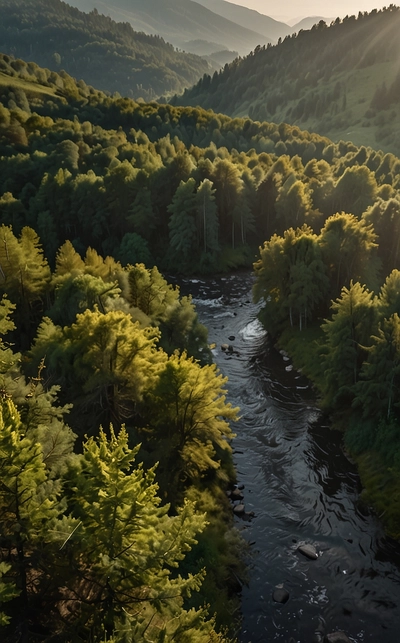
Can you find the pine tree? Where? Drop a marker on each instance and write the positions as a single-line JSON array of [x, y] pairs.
[[347, 334], [377, 392], [189, 420], [141, 214], [207, 217], [182, 224], [68, 260], [29, 509], [8, 591], [127, 549], [105, 362]]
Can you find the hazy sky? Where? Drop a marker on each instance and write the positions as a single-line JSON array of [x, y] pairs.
[[301, 8]]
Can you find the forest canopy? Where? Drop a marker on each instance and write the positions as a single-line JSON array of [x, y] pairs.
[[100, 198]]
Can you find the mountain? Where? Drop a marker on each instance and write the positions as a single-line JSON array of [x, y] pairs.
[[309, 22], [106, 54], [341, 81], [178, 21], [249, 18]]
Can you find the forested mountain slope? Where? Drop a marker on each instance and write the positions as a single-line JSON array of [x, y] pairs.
[[98, 196], [341, 81], [183, 187], [179, 22], [106, 54]]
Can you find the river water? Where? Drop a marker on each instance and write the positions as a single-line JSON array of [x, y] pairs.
[[301, 488]]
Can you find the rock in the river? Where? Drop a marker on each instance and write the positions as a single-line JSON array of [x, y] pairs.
[[239, 509], [280, 594], [236, 494], [230, 348], [224, 347], [231, 338], [336, 637], [309, 551]]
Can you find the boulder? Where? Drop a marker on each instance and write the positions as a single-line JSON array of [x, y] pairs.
[[236, 494], [224, 347], [230, 348], [309, 551], [239, 509], [231, 338], [336, 637], [280, 594]]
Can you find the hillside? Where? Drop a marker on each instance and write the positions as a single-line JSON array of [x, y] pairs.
[[105, 54], [249, 18], [84, 175], [341, 81], [178, 22]]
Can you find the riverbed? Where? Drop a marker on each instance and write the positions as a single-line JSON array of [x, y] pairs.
[[301, 488]]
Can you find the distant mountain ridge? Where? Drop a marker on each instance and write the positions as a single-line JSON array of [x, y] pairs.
[[341, 81], [179, 21], [309, 22], [249, 18]]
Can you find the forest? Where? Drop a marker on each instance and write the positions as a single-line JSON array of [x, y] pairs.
[[340, 80], [108, 391], [90, 46]]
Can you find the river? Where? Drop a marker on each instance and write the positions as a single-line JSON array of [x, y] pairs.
[[301, 488]]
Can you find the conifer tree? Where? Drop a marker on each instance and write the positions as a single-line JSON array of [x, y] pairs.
[[347, 246], [127, 549], [105, 362], [389, 295], [377, 392], [347, 334], [29, 508], [182, 224], [207, 217], [189, 420], [68, 260], [141, 214]]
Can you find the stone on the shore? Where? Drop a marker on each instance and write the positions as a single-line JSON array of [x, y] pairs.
[[309, 551], [239, 509], [280, 594], [336, 637]]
